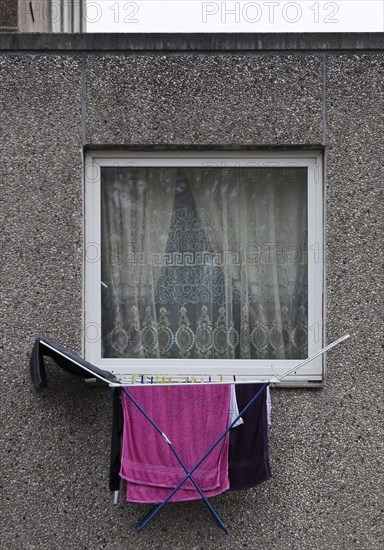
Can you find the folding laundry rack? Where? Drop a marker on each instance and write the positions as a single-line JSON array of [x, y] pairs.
[[74, 364]]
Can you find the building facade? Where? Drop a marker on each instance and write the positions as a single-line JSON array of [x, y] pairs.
[[65, 99]]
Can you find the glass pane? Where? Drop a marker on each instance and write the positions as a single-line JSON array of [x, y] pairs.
[[204, 262]]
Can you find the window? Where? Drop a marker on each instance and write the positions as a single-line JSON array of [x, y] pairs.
[[202, 263]]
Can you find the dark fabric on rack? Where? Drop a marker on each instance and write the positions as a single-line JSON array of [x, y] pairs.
[[248, 444], [67, 363], [116, 440], [37, 367]]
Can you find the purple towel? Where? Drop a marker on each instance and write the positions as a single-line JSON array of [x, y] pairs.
[[248, 449], [192, 417]]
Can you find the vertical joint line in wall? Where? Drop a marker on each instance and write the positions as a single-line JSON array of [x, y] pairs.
[[325, 185], [83, 100], [83, 115], [324, 100]]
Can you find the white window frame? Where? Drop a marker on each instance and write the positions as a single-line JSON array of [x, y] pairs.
[[260, 369]]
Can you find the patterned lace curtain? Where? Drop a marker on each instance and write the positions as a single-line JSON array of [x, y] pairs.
[[204, 262]]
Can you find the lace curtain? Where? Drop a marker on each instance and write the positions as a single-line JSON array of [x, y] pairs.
[[204, 262]]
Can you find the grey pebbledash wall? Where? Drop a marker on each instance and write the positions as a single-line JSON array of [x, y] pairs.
[[63, 94]]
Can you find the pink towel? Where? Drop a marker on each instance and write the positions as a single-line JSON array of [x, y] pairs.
[[192, 417]]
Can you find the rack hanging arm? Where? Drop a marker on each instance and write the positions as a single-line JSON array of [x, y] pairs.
[[276, 379]]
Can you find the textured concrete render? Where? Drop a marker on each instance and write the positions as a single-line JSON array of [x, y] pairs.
[[355, 282], [41, 166], [204, 100], [327, 444]]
